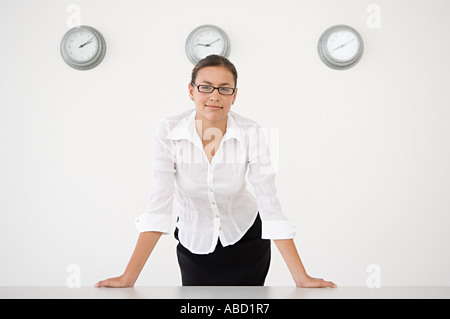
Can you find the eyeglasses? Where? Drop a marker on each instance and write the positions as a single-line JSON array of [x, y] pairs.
[[210, 89]]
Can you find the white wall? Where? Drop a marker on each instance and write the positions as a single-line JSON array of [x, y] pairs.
[[363, 154]]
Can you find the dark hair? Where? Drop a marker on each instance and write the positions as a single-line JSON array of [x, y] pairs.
[[214, 60]]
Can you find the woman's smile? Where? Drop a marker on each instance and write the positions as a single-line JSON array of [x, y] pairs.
[[213, 107]]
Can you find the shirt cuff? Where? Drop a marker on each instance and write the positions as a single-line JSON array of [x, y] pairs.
[[154, 222], [278, 229]]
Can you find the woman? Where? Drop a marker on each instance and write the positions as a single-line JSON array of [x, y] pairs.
[[201, 159]]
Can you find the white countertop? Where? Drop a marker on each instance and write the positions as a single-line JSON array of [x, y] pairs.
[[7, 292]]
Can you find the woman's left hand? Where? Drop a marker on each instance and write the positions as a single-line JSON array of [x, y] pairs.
[[310, 282]]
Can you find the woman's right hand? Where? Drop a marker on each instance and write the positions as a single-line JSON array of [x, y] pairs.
[[146, 242], [116, 282]]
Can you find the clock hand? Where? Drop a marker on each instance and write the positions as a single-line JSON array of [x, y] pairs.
[[209, 44], [214, 41], [343, 45], [89, 41]]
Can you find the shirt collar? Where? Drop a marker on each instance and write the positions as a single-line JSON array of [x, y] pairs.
[[185, 129]]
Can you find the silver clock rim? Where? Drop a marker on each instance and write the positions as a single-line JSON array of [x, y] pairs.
[[193, 57], [92, 62]]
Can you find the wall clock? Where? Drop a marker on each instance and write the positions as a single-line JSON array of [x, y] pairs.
[[83, 47], [340, 47], [206, 40]]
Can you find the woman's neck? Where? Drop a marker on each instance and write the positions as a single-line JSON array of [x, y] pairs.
[[206, 129]]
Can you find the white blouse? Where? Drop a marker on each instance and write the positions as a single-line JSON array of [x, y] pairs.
[[212, 198]]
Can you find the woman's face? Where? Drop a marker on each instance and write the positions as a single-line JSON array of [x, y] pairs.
[[213, 106]]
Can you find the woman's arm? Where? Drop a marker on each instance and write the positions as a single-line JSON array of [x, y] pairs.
[[291, 257], [144, 247]]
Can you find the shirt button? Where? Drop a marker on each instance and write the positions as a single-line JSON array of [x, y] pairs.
[[217, 216], [214, 203], [220, 228]]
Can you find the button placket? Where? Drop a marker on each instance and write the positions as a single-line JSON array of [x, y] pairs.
[[212, 199]]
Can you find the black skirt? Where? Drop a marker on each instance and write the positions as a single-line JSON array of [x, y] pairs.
[[245, 263]]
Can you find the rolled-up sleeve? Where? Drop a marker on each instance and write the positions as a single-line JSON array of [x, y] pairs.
[[275, 225], [158, 216]]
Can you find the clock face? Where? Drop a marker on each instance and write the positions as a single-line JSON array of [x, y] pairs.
[[206, 40], [343, 45], [81, 45], [340, 47]]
